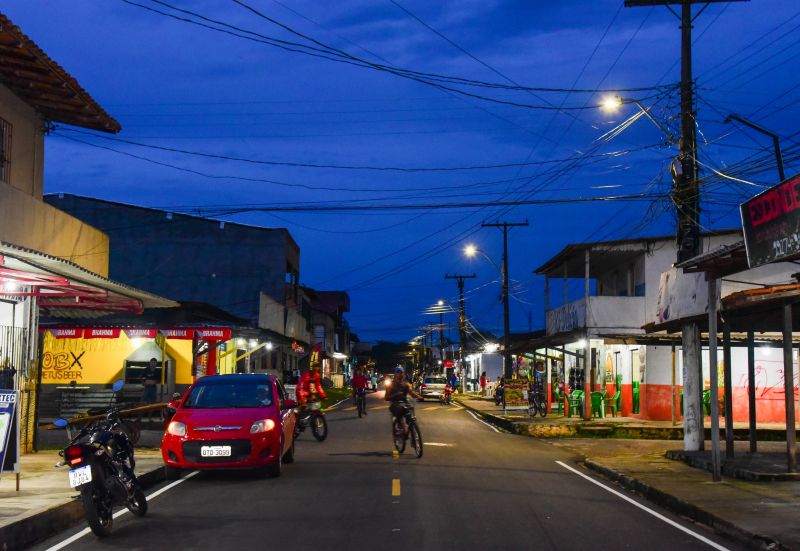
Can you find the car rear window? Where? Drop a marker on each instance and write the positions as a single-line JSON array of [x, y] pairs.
[[230, 393], [435, 381]]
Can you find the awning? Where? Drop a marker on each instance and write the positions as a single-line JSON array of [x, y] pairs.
[[65, 289]]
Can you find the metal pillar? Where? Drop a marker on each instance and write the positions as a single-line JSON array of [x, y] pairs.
[[716, 470], [788, 381], [751, 389], [726, 358]]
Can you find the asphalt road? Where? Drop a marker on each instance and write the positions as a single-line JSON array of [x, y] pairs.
[[474, 488]]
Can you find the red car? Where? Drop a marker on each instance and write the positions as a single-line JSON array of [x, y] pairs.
[[231, 422]]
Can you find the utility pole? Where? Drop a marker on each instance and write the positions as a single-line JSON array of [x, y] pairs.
[[506, 331], [686, 196], [686, 192], [462, 324]]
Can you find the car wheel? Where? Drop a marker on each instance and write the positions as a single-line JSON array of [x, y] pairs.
[[288, 457], [171, 473]]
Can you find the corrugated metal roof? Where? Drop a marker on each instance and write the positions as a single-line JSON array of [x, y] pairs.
[[36, 262]]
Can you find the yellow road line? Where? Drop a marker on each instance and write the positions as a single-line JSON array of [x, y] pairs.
[[395, 487], [379, 407], [351, 408], [431, 408], [395, 454]]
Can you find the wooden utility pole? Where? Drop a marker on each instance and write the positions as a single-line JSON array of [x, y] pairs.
[[506, 331], [462, 323]]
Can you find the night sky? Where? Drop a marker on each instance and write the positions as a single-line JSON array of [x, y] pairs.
[[182, 86]]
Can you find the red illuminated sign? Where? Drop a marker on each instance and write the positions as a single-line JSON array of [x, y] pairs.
[[771, 224]]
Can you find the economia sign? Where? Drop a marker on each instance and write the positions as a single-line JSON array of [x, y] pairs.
[[771, 223]]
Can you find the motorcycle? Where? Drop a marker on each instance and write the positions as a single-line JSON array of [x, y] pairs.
[[101, 462], [500, 395], [313, 415]]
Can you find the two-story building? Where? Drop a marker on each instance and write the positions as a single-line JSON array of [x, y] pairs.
[[602, 322], [50, 262]]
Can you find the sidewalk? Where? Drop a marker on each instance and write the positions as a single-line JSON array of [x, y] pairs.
[[45, 504], [759, 514]]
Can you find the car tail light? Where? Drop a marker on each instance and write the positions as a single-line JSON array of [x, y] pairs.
[[176, 428], [423, 387], [265, 425]]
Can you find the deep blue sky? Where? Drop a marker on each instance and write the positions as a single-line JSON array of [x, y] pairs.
[[182, 86]]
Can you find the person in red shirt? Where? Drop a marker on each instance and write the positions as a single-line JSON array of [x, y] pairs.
[[309, 386], [360, 384]]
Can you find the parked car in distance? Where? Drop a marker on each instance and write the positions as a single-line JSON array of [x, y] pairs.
[[432, 387], [231, 422]]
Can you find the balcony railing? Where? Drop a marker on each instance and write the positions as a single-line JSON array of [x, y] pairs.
[[620, 315]]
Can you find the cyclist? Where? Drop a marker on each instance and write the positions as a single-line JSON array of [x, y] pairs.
[[398, 393], [360, 384], [309, 385]]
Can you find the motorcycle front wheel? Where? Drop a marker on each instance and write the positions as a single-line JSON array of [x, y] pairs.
[[98, 514], [319, 427], [138, 503]]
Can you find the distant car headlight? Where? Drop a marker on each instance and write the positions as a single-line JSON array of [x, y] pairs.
[[176, 428], [265, 425]]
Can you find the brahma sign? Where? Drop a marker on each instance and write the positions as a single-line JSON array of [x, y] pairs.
[[771, 223]]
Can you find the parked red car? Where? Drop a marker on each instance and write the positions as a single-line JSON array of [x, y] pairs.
[[231, 422]]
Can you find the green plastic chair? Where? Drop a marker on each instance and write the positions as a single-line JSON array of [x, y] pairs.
[[636, 397], [613, 403], [597, 404], [560, 399], [575, 403], [707, 402]]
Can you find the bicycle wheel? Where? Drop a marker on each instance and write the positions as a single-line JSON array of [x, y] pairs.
[[416, 439], [542, 407], [399, 436]]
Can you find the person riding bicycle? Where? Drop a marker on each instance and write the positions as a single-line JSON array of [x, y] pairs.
[[360, 384], [398, 393], [309, 386]]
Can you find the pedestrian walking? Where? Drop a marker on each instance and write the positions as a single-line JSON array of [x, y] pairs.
[[483, 384]]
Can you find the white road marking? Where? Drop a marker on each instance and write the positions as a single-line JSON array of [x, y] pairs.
[[484, 422], [442, 444], [645, 509], [118, 514]]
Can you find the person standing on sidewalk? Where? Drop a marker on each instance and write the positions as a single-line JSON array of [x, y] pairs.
[[483, 384]]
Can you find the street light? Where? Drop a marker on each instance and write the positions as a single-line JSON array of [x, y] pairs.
[[470, 250], [776, 144], [611, 104]]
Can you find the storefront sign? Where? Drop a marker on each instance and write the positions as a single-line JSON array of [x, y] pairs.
[[566, 318], [297, 348], [187, 334], [141, 333], [214, 334], [101, 333], [771, 224], [67, 333], [9, 431]]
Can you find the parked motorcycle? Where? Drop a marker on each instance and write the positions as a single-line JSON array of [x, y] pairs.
[[500, 395], [101, 462], [312, 415]]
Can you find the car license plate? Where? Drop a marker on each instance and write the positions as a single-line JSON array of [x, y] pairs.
[[79, 476], [215, 451]]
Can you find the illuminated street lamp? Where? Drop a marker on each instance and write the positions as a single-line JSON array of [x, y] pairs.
[[612, 104]]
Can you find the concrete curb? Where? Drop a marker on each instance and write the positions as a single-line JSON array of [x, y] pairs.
[[39, 527], [684, 508]]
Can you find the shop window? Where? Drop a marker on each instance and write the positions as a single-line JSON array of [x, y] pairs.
[[5, 151]]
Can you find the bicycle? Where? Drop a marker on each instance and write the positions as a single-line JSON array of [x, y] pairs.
[[537, 402], [404, 428], [361, 402]]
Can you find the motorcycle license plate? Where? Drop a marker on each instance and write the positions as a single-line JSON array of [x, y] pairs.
[[215, 451], [80, 476]]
